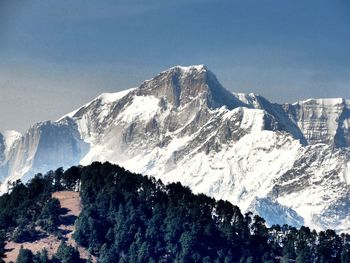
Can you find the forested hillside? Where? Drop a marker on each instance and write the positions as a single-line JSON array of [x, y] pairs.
[[29, 214], [133, 218]]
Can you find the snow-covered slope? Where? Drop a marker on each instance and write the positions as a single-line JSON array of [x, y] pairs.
[[290, 163]]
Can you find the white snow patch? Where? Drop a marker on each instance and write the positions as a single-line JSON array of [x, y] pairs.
[[141, 108], [188, 69], [113, 97], [249, 99], [104, 97], [346, 173], [253, 119], [10, 137]]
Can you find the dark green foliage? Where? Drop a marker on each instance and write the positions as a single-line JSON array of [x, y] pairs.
[[71, 178], [22, 206], [41, 257], [345, 253], [49, 216], [66, 254], [23, 233], [2, 246], [57, 180], [25, 256], [329, 247], [132, 218]]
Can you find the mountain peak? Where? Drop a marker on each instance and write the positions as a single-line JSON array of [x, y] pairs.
[[181, 85], [188, 69]]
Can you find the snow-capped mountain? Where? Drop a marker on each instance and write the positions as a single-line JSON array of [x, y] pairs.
[[290, 163]]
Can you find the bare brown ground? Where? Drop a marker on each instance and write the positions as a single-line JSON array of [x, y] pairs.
[[70, 201]]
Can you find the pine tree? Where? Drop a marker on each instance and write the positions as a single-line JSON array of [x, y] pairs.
[[41, 257], [303, 253], [66, 254], [345, 253], [24, 256], [58, 180], [2, 246]]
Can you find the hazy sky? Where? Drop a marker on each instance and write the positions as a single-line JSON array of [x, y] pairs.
[[56, 55]]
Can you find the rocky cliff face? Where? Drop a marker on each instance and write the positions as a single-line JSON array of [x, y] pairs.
[[322, 120], [287, 160], [41, 148], [180, 86]]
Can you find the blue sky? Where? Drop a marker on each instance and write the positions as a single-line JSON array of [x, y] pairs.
[[58, 54]]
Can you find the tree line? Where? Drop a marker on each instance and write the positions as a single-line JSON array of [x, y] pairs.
[[128, 217]]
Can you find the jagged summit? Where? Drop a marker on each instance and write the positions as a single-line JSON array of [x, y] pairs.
[[188, 69], [181, 85]]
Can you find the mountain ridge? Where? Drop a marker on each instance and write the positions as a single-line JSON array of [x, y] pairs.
[[183, 125]]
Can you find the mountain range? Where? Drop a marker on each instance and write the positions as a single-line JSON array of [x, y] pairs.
[[290, 163]]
